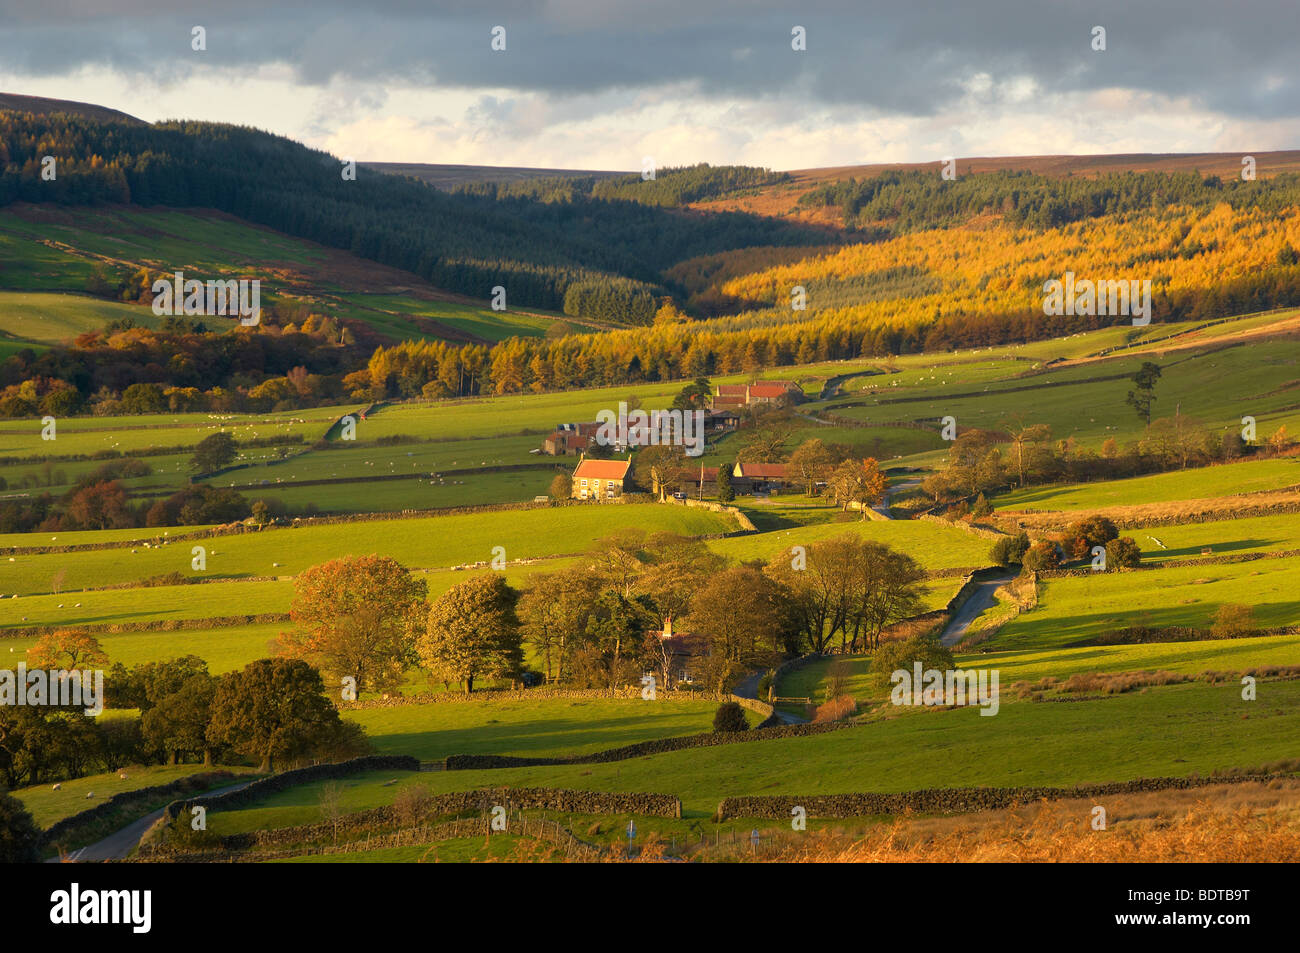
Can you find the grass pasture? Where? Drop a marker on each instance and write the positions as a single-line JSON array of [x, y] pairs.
[[53, 318], [1087, 401], [1202, 483], [1083, 607], [552, 728], [1170, 732], [427, 542]]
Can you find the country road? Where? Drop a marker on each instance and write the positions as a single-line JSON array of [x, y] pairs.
[[118, 845], [901, 487], [749, 689], [981, 598]]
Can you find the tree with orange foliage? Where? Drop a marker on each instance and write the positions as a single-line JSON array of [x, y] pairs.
[[857, 481], [354, 618], [66, 649]]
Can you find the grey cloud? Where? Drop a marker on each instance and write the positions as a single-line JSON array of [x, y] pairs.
[[909, 58]]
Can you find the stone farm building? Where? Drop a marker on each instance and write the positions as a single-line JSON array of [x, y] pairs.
[[761, 477], [570, 439], [685, 653], [600, 479], [735, 396], [699, 481]]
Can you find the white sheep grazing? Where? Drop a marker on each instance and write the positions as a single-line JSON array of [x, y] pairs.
[[89, 795], [122, 775], [57, 786]]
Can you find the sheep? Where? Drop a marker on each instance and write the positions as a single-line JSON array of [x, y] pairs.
[[57, 786]]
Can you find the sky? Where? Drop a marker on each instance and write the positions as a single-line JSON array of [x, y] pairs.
[[588, 85]]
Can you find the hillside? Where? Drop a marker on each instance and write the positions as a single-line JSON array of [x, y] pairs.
[[72, 265], [48, 107], [451, 177], [783, 200]]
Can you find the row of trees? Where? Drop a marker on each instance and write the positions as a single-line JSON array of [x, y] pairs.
[[985, 462], [272, 710], [136, 370], [598, 624], [96, 502]]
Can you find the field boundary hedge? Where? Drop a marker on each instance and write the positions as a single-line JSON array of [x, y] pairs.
[[488, 695], [1224, 560], [157, 625]]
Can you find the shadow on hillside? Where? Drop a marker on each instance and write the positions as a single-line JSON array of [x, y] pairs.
[[1186, 552]]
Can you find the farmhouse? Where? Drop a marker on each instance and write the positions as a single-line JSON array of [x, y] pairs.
[[761, 477], [683, 652], [570, 439], [599, 479], [734, 396], [563, 443]]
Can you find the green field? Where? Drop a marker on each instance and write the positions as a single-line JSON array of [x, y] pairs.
[[1079, 401], [933, 545], [40, 250], [48, 805], [552, 728], [1198, 484], [1083, 607], [429, 542], [448, 453], [88, 435], [1031, 665], [1173, 731], [1256, 534], [399, 317], [56, 318]]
